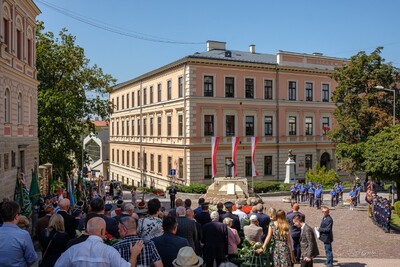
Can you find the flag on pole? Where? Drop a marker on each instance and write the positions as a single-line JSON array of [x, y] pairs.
[[214, 150], [34, 192], [70, 191], [254, 141], [235, 142], [21, 195]]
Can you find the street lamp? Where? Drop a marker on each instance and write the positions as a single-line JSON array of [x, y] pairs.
[[380, 87]]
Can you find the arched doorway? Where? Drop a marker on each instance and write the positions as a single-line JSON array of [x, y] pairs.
[[325, 161]]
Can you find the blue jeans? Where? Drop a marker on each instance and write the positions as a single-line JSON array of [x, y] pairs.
[[329, 254]]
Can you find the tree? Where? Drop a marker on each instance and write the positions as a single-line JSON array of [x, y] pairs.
[[319, 174], [64, 108], [361, 109], [382, 155]]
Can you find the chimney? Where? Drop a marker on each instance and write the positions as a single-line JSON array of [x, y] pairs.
[[215, 45], [252, 48]]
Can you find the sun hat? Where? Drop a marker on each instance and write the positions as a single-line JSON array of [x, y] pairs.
[[187, 257]]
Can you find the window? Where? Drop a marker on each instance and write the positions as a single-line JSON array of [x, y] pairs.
[[138, 98], [207, 169], [268, 125], [169, 164], [122, 128], [249, 88], [127, 158], [145, 96], [144, 126], [267, 89], [208, 86], [180, 87], [309, 92], [112, 155], [6, 162], [117, 156], [169, 90], [7, 109], [139, 130], [180, 125], [30, 51], [152, 162], [123, 157], [151, 126], [159, 165], [159, 126], [127, 100], [117, 103], [117, 128], [151, 94], [169, 125], [30, 110], [133, 99], [19, 41], [292, 90], [145, 161], [127, 127], [19, 107], [138, 160], [112, 128], [325, 125], [292, 125], [133, 127], [122, 102], [308, 161], [309, 126], [267, 165], [229, 87], [180, 173], [6, 30], [248, 166], [133, 159], [208, 125], [249, 125], [230, 125], [325, 92], [159, 92]]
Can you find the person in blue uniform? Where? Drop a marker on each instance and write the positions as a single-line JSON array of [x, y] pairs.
[[318, 196], [353, 198], [311, 195], [333, 197]]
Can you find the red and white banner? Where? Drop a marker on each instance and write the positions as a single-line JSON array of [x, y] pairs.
[[254, 141], [235, 142], [214, 150]]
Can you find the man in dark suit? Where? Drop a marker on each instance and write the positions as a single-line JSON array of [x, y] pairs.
[[69, 220], [215, 240], [326, 235], [204, 216], [186, 227], [308, 243], [263, 220], [228, 214], [190, 216], [169, 244], [295, 231]]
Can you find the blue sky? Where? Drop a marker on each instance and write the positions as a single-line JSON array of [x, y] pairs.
[[337, 28]]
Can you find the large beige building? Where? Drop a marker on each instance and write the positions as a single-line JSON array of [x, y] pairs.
[[19, 144], [164, 119]]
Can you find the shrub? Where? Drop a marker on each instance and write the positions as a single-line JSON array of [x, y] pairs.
[[319, 174], [193, 188], [397, 207], [267, 186]]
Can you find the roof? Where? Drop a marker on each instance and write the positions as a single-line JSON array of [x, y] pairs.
[[100, 123], [237, 56]]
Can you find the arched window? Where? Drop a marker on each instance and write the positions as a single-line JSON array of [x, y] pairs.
[[7, 109], [19, 108], [6, 28], [30, 46]]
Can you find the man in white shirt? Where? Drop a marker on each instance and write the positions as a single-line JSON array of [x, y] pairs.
[[241, 214], [93, 251]]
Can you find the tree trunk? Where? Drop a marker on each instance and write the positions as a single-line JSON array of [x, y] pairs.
[[397, 190]]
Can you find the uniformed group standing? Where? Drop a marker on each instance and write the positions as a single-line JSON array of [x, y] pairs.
[[382, 213], [313, 194]]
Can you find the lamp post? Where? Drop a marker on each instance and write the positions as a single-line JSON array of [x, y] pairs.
[[379, 87]]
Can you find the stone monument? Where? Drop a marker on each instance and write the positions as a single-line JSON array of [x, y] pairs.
[[290, 163]]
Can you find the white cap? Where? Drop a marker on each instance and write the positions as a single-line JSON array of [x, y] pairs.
[[253, 218]]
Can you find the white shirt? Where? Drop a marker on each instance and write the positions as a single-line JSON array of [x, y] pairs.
[[242, 215], [91, 253]]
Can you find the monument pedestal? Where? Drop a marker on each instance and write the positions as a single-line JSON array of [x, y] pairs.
[[227, 189]]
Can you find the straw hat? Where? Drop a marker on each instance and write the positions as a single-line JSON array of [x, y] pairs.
[[187, 257]]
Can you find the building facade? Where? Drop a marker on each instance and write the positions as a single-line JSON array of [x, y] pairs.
[[163, 121], [19, 145]]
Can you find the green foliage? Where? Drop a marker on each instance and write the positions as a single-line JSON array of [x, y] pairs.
[[64, 106], [397, 207], [192, 188], [361, 109], [321, 175], [269, 186]]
